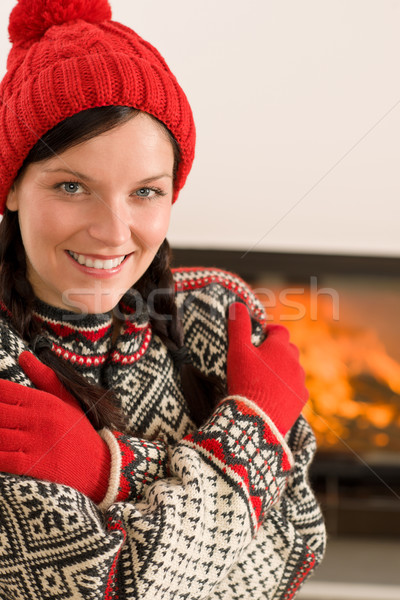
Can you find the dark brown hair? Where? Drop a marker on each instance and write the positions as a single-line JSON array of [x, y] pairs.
[[201, 392]]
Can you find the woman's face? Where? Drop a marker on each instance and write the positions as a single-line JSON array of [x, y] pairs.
[[93, 217]]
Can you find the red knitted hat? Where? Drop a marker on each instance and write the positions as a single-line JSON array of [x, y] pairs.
[[69, 56]]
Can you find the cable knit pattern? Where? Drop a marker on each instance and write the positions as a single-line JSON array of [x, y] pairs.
[[224, 512]]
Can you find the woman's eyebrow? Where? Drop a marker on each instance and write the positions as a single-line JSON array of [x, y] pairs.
[[153, 178], [70, 172], [90, 179]]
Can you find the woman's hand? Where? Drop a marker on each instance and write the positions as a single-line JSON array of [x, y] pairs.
[[270, 375], [45, 434]]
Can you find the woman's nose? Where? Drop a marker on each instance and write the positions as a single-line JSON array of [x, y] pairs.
[[110, 223]]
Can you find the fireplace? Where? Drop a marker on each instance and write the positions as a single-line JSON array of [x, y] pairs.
[[344, 315]]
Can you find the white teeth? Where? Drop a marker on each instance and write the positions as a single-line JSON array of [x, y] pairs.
[[110, 263]]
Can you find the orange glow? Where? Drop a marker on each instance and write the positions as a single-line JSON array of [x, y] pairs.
[[354, 384], [381, 439]]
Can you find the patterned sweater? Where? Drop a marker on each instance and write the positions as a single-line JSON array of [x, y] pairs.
[[225, 512]]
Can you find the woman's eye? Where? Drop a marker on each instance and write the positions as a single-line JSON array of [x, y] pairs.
[[71, 187], [145, 192]]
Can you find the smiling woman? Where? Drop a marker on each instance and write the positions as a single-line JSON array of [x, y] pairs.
[[151, 443], [101, 225]]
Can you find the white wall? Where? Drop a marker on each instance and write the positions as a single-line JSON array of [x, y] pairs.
[[297, 105]]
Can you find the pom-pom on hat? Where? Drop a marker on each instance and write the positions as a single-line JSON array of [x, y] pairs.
[[68, 56]]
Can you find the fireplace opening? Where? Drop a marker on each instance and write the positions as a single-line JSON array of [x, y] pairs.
[[348, 332], [344, 315]]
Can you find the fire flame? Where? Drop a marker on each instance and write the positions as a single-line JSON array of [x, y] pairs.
[[354, 384]]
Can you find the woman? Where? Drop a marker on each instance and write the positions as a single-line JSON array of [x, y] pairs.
[[150, 438]]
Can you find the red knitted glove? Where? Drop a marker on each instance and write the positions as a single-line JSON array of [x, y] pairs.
[[270, 375], [45, 434]]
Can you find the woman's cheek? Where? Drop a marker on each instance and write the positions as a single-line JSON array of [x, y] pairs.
[[154, 227]]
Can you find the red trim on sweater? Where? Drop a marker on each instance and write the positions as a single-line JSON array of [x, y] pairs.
[[111, 589], [225, 278], [127, 457], [99, 359], [64, 331], [79, 359], [118, 357], [301, 574]]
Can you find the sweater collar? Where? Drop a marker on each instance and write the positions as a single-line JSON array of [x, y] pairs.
[[87, 339], [58, 321]]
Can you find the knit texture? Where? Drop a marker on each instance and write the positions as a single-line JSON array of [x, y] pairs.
[[68, 56], [46, 436], [272, 369], [225, 512]]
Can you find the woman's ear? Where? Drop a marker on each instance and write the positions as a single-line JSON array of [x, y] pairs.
[[12, 201]]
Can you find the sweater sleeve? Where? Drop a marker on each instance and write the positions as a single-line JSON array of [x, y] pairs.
[[176, 537], [291, 540]]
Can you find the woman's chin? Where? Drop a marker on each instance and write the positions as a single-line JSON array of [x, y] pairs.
[[91, 303]]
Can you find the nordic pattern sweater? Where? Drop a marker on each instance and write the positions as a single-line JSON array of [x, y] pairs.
[[225, 512]]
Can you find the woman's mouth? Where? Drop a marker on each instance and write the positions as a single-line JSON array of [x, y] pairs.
[[96, 263]]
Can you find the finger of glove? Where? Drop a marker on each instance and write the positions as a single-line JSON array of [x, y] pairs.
[[43, 377], [13, 393], [295, 350], [39, 415], [36, 410], [280, 335], [17, 462], [13, 416], [12, 462], [278, 332], [239, 324], [294, 383], [12, 439]]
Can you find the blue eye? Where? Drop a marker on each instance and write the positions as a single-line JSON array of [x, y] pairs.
[[144, 192], [149, 192], [71, 187]]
